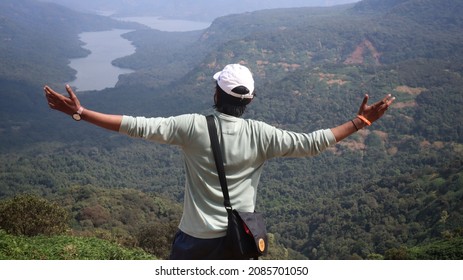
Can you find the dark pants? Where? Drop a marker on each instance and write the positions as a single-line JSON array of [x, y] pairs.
[[187, 247]]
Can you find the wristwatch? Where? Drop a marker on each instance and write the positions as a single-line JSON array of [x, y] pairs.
[[77, 115]]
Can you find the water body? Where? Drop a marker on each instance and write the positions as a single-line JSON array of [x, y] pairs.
[[168, 25], [95, 71]]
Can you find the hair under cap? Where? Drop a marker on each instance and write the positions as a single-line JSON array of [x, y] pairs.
[[233, 76]]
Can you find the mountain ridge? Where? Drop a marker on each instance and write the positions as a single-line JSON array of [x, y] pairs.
[[35, 29], [181, 9]]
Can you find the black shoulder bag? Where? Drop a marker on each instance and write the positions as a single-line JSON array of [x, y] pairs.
[[246, 232]]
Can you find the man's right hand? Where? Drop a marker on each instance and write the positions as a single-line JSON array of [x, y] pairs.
[[68, 105]]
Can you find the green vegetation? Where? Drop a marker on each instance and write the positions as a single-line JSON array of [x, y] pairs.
[[392, 191], [29, 215], [62, 247], [128, 221], [446, 249]]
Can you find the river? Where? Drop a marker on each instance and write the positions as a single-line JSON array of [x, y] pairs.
[[95, 71]]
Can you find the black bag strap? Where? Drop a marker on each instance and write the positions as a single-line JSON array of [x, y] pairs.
[[218, 161]]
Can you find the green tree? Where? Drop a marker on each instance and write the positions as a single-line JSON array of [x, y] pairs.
[[31, 215], [157, 238]]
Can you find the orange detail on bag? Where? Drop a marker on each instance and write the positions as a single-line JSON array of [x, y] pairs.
[[261, 244]]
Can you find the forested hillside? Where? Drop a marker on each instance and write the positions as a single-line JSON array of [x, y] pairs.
[[36, 36], [393, 190]]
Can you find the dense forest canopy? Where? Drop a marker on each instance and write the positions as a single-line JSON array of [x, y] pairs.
[[393, 190]]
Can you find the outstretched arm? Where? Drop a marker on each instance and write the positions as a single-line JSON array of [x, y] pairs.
[[70, 105], [365, 116]]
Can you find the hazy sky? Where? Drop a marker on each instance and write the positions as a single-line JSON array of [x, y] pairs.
[[187, 9]]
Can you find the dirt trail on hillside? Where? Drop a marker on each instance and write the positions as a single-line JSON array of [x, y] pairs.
[[358, 56]]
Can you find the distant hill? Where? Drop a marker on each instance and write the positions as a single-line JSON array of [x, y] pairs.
[[201, 9], [391, 187], [36, 35], [377, 6], [36, 42]]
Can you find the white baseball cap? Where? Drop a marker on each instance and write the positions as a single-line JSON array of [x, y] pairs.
[[235, 75]]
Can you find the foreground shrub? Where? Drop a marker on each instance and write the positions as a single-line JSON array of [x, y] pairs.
[[31, 215], [62, 247]]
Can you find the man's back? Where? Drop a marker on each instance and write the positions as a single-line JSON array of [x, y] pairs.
[[246, 145]]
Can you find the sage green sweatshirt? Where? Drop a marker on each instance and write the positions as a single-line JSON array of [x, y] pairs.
[[246, 145]]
